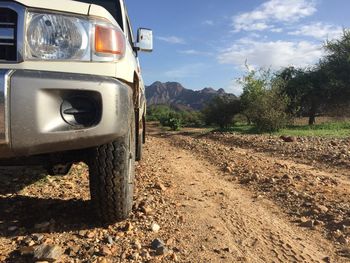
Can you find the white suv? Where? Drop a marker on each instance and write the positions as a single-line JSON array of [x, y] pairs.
[[71, 90]]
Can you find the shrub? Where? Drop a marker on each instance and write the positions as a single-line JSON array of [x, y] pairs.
[[175, 119], [158, 112], [174, 124], [192, 119], [172, 120], [263, 102], [221, 111], [270, 111]]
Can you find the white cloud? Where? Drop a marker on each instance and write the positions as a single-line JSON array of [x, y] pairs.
[[172, 40], [274, 54], [188, 70], [235, 88], [261, 26], [254, 35], [195, 52], [319, 30], [273, 11], [208, 22], [277, 30]]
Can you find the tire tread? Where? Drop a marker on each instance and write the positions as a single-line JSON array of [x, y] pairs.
[[111, 191]]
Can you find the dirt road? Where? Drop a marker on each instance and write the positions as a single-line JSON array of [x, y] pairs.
[[213, 199]]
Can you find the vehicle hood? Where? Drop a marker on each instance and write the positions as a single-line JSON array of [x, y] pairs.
[[61, 5], [69, 6]]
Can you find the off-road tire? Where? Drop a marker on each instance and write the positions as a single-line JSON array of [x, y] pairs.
[[111, 174]]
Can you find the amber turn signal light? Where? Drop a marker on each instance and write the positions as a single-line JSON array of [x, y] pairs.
[[109, 40]]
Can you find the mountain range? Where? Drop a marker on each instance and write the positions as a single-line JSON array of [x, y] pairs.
[[176, 96]]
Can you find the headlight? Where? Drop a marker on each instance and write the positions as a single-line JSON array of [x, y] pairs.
[[65, 37], [57, 37]]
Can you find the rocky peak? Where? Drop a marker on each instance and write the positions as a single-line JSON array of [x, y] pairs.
[[174, 94]]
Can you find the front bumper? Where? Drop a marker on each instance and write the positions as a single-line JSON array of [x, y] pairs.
[[32, 120]]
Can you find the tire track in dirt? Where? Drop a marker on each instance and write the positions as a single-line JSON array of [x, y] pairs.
[[226, 217]]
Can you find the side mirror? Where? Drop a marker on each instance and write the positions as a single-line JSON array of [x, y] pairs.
[[144, 40]]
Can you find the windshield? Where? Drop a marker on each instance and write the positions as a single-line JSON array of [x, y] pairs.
[[113, 6]]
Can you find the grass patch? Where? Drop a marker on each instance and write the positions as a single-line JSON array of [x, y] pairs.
[[330, 129], [239, 128]]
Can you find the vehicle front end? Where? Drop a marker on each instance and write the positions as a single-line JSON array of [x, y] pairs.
[[59, 89]]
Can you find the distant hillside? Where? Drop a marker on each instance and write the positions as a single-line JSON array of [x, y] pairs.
[[175, 95]]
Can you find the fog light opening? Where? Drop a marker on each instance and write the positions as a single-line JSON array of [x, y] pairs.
[[80, 111]]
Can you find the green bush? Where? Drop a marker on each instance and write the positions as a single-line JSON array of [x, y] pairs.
[[192, 119], [158, 112], [270, 110], [174, 119], [263, 102], [175, 124], [221, 111]]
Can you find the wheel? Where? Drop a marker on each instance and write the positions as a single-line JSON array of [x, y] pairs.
[[111, 174], [59, 169]]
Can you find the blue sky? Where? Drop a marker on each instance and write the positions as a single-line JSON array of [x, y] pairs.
[[205, 43]]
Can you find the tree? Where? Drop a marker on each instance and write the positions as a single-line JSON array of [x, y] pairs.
[[271, 111], [323, 88], [293, 82], [315, 94], [221, 111], [336, 65], [263, 102], [307, 91], [254, 84]]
